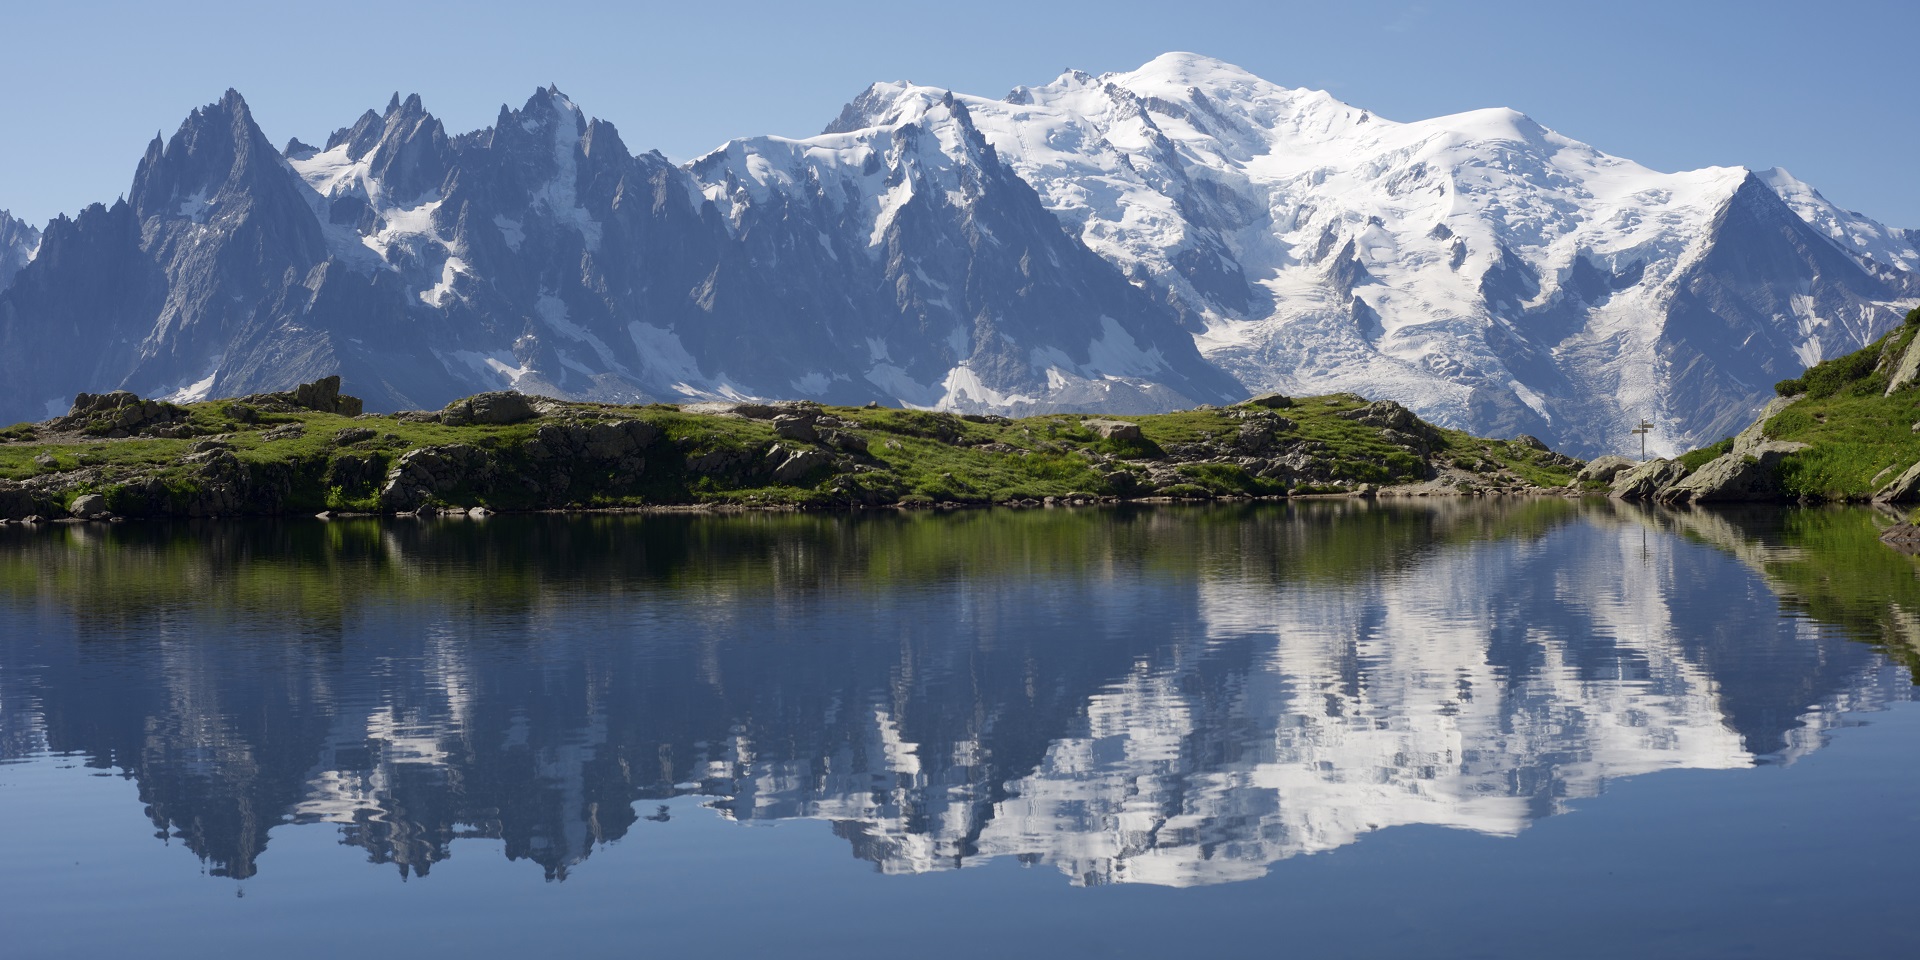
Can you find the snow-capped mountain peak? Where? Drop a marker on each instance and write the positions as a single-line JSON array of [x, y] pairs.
[[1184, 232], [1855, 233], [1481, 267]]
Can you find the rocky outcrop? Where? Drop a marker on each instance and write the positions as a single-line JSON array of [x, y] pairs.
[[324, 396], [1748, 472], [120, 414], [1732, 478], [1904, 488]]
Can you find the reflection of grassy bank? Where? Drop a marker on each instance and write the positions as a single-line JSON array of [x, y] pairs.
[[319, 570], [1825, 562]]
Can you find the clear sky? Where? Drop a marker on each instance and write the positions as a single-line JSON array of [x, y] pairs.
[[1825, 89]]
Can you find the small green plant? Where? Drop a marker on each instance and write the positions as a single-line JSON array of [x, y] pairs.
[[1695, 459]]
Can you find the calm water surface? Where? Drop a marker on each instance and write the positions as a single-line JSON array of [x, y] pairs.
[[1464, 729]]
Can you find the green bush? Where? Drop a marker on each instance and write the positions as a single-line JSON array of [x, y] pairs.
[[1829, 377]]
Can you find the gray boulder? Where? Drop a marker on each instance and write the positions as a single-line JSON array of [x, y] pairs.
[[1272, 401], [1114, 429], [1603, 469], [506, 406], [90, 506], [1645, 481], [17, 503]]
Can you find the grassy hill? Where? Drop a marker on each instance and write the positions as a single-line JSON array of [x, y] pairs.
[[270, 454]]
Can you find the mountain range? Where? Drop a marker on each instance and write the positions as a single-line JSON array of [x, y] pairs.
[[1181, 234]]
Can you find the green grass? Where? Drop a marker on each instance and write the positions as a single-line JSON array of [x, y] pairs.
[[912, 456], [1695, 459], [1857, 443]]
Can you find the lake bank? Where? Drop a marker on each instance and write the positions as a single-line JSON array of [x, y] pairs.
[[312, 451]]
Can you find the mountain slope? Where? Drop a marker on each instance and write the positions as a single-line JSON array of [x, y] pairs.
[[18, 241], [973, 297], [542, 254]]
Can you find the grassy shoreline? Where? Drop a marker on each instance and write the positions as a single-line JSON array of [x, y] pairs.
[[118, 456]]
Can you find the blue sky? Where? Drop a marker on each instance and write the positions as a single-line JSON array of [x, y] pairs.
[[1826, 90]]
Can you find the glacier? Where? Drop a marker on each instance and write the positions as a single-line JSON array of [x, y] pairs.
[[1179, 234]]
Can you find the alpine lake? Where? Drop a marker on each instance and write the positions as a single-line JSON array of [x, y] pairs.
[[1468, 727]]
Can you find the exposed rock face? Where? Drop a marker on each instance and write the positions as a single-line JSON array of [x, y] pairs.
[[1389, 415], [1904, 488], [321, 396], [598, 441], [1907, 369]]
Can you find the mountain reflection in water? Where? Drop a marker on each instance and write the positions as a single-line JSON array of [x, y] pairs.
[[1170, 696]]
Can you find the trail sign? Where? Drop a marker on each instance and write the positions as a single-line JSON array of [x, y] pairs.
[[1645, 427]]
